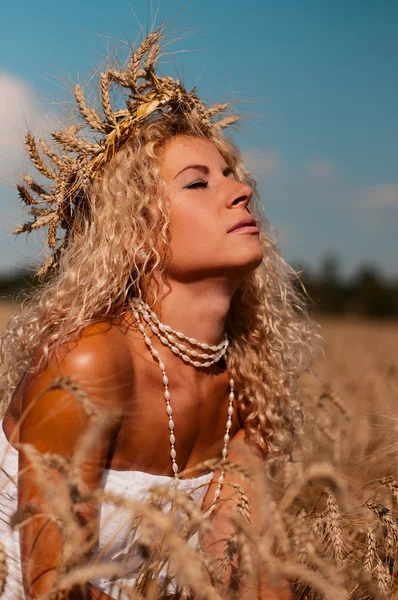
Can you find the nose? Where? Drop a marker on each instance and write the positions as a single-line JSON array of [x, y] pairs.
[[241, 194]]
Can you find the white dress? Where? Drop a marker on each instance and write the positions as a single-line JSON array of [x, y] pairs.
[[116, 542]]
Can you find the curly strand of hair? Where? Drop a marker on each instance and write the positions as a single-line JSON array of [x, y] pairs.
[[272, 336]]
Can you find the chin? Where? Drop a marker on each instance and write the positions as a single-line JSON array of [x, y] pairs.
[[246, 266], [254, 264], [250, 260]]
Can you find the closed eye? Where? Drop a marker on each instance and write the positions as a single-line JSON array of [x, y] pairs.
[[229, 171], [197, 184]]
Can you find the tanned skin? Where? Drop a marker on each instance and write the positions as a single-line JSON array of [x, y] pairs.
[[112, 363]]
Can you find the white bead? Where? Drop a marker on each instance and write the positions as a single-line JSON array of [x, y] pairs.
[[204, 359], [217, 493]]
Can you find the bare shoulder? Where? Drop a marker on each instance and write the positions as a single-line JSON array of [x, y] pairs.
[[99, 352], [87, 376]]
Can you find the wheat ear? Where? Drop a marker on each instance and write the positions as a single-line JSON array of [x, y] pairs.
[[3, 568], [36, 158], [106, 98], [90, 115], [370, 550], [72, 143], [334, 529], [26, 196], [226, 122]]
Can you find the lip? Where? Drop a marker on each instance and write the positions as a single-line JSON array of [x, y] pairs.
[[245, 225]]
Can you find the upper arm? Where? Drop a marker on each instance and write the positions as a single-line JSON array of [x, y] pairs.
[[73, 405]]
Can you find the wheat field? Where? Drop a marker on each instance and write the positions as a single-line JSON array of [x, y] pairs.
[[329, 515]]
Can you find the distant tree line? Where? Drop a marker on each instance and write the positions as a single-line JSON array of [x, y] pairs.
[[366, 293], [12, 284]]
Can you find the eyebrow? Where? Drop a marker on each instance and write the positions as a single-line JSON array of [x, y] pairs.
[[205, 170]]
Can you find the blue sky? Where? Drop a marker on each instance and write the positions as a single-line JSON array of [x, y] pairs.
[[317, 79]]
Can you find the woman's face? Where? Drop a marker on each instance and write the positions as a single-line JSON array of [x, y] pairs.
[[207, 205]]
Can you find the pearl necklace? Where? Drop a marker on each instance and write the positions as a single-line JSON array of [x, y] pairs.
[[169, 339]]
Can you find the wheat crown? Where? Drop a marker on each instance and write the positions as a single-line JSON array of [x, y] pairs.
[[73, 167]]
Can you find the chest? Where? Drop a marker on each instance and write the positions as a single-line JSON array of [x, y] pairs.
[[199, 414]]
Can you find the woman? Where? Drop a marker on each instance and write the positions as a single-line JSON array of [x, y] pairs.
[[162, 227]]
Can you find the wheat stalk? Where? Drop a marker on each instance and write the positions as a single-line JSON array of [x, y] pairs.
[[36, 158], [90, 115], [106, 98], [226, 122], [370, 551], [3, 568], [71, 142], [36, 188], [334, 529], [58, 162]]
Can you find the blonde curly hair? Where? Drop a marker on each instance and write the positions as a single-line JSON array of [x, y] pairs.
[[120, 239]]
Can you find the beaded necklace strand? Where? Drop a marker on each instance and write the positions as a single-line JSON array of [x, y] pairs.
[[196, 358]]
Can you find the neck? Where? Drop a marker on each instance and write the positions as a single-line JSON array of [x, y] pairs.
[[199, 309]]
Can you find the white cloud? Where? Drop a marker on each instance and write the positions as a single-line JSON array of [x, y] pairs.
[[320, 170], [19, 111], [382, 195], [260, 163], [16, 104]]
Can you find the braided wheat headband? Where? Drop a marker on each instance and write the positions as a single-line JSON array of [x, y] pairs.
[[74, 167]]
